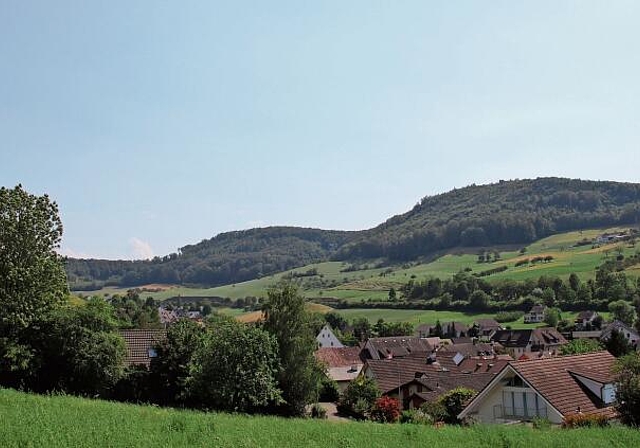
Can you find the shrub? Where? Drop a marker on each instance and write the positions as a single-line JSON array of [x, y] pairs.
[[414, 416], [329, 390], [585, 421], [318, 411], [435, 410], [453, 401], [358, 398], [385, 410]]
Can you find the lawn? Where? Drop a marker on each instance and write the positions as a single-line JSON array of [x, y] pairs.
[[51, 421]]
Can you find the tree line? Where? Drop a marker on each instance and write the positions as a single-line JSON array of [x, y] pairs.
[[508, 212]]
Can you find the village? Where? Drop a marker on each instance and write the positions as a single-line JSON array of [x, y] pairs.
[[517, 375]]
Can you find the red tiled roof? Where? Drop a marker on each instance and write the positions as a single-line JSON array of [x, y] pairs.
[[553, 379], [388, 373], [138, 342], [339, 357], [395, 346]]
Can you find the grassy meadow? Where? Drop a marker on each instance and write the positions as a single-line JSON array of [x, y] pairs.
[[51, 421], [374, 283]]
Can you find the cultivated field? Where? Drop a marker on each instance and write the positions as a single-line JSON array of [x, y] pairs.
[[50, 421]]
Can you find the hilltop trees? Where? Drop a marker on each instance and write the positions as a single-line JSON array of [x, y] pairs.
[[286, 318]]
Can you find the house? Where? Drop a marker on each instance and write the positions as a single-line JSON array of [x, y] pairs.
[[394, 347], [535, 315], [529, 343], [455, 329], [425, 330], [342, 364], [551, 388], [628, 332], [487, 327], [414, 379], [141, 345], [585, 319], [472, 348], [327, 339]]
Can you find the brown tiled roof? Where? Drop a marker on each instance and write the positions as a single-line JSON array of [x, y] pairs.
[[537, 336], [388, 373], [339, 357], [488, 324], [138, 342], [512, 338], [395, 346], [546, 336], [469, 348], [553, 379]]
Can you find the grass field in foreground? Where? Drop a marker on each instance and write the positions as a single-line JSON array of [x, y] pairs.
[[40, 421]]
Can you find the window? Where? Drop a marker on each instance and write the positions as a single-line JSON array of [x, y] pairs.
[[522, 404]]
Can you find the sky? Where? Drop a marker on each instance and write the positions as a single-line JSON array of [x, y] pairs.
[[155, 125]]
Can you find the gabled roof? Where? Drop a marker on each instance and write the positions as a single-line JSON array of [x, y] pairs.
[[469, 349], [395, 347], [538, 309], [139, 342], [618, 326], [388, 373], [552, 378], [521, 338], [547, 336], [339, 357], [458, 326], [555, 380], [488, 324], [512, 338]]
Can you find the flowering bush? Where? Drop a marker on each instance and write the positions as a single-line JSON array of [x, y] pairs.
[[385, 410]]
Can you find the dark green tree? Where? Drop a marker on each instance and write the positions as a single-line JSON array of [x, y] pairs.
[[32, 278], [623, 311], [359, 397], [170, 369], [235, 369], [627, 370], [579, 346], [617, 344], [79, 350], [286, 318]]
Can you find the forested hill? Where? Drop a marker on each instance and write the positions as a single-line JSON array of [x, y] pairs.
[[508, 212], [227, 258]]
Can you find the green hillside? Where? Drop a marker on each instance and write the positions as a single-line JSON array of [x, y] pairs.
[[337, 279], [52, 421], [514, 213]]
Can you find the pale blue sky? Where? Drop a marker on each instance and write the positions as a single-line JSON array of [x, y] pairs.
[[158, 124]]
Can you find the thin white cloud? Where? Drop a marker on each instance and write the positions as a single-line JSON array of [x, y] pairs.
[[140, 250]]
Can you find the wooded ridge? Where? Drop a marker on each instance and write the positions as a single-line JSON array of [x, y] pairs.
[[507, 212]]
